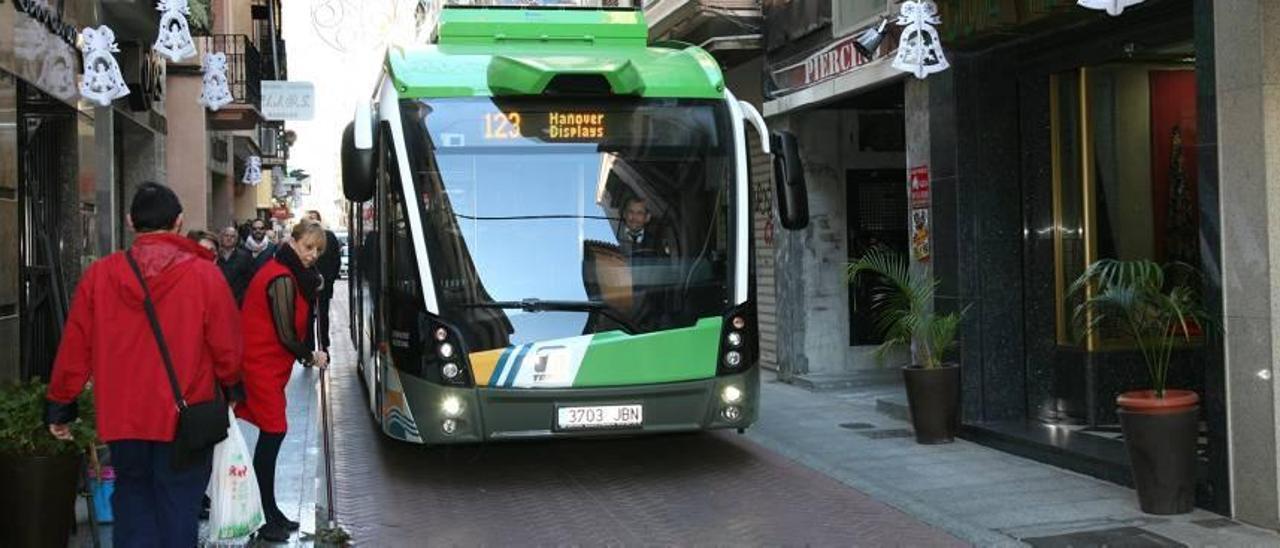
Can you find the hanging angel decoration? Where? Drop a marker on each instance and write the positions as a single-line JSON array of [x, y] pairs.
[[216, 93], [1112, 7], [174, 39], [252, 171], [102, 81], [920, 49]]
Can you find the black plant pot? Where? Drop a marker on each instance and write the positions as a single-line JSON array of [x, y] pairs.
[[37, 499], [934, 398], [1162, 455]]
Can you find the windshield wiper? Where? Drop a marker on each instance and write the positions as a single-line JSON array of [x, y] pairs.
[[539, 305]]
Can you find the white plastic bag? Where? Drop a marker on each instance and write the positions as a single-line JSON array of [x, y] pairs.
[[235, 508]]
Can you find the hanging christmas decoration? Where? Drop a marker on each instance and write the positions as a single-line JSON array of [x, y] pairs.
[[174, 39], [252, 171], [1112, 7], [102, 81], [919, 48], [216, 93]]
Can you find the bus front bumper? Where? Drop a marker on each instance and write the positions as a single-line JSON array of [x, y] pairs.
[[467, 415]]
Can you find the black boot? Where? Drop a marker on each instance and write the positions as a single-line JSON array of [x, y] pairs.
[[273, 531], [279, 517]]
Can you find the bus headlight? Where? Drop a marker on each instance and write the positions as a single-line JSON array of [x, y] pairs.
[[449, 426], [731, 413], [451, 406], [450, 370], [731, 394], [733, 358], [446, 350], [738, 349]]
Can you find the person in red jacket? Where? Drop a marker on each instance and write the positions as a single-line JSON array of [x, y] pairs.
[[276, 313], [108, 339]]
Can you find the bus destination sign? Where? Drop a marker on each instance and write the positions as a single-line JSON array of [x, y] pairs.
[[575, 125], [551, 126]]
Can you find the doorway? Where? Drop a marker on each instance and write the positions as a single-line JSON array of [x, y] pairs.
[[877, 206]]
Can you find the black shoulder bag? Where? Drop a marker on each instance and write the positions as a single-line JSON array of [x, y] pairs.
[[200, 426]]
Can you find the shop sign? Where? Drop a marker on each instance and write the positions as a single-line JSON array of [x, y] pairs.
[[918, 186], [288, 101], [832, 61], [50, 18], [38, 44]]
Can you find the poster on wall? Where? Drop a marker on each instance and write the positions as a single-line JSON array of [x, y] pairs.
[[920, 234], [918, 188], [918, 179]]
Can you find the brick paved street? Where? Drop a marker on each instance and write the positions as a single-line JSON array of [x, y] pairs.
[[690, 489]]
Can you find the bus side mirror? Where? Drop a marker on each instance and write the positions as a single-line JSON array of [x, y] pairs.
[[357, 167], [788, 179]]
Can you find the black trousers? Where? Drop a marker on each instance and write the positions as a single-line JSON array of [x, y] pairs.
[[264, 467], [322, 321]]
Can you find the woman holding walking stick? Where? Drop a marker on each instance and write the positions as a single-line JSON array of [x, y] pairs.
[[276, 313]]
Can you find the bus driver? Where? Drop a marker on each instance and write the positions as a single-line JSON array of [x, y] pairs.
[[636, 239]]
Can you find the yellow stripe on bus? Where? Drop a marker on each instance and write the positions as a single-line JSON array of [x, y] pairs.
[[483, 364]]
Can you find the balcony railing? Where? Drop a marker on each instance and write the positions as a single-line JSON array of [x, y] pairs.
[[244, 65], [269, 62]]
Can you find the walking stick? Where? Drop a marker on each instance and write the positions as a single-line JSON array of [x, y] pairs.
[[331, 534], [92, 453], [328, 449]]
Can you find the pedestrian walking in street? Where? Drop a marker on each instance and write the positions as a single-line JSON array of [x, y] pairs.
[[276, 311], [204, 239], [259, 244], [109, 339], [235, 261], [330, 264]]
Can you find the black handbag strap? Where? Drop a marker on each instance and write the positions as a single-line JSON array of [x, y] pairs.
[[155, 328]]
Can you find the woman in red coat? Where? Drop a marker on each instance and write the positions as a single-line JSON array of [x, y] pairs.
[[275, 315]]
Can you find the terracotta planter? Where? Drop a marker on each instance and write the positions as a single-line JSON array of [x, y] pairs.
[[1160, 434], [934, 398], [37, 501]]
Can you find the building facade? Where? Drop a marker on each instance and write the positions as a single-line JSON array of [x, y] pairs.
[[66, 163], [68, 166], [1058, 136]]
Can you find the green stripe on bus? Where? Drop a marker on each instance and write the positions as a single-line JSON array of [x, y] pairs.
[[617, 359]]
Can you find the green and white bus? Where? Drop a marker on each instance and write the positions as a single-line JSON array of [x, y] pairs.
[[550, 229]]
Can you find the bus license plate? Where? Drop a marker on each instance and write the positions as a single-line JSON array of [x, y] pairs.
[[599, 416]]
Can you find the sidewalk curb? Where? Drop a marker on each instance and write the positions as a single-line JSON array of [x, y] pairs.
[[973, 534]]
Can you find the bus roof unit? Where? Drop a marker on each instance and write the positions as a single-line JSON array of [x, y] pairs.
[[495, 52]]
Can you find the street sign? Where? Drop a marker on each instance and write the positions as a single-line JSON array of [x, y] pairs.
[[288, 100]]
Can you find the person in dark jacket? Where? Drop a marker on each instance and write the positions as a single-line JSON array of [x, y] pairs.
[[275, 314], [108, 339], [259, 244], [329, 264], [236, 262], [636, 238]]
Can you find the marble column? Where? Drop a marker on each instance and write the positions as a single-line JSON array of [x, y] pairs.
[[1246, 38]]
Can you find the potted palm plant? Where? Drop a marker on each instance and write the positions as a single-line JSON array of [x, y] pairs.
[[1155, 307], [902, 304], [39, 473]]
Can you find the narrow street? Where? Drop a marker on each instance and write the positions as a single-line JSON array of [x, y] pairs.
[[694, 489]]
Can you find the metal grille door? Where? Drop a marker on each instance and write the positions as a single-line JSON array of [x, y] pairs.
[[45, 129]]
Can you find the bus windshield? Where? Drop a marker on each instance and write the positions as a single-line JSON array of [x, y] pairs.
[[556, 217]]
